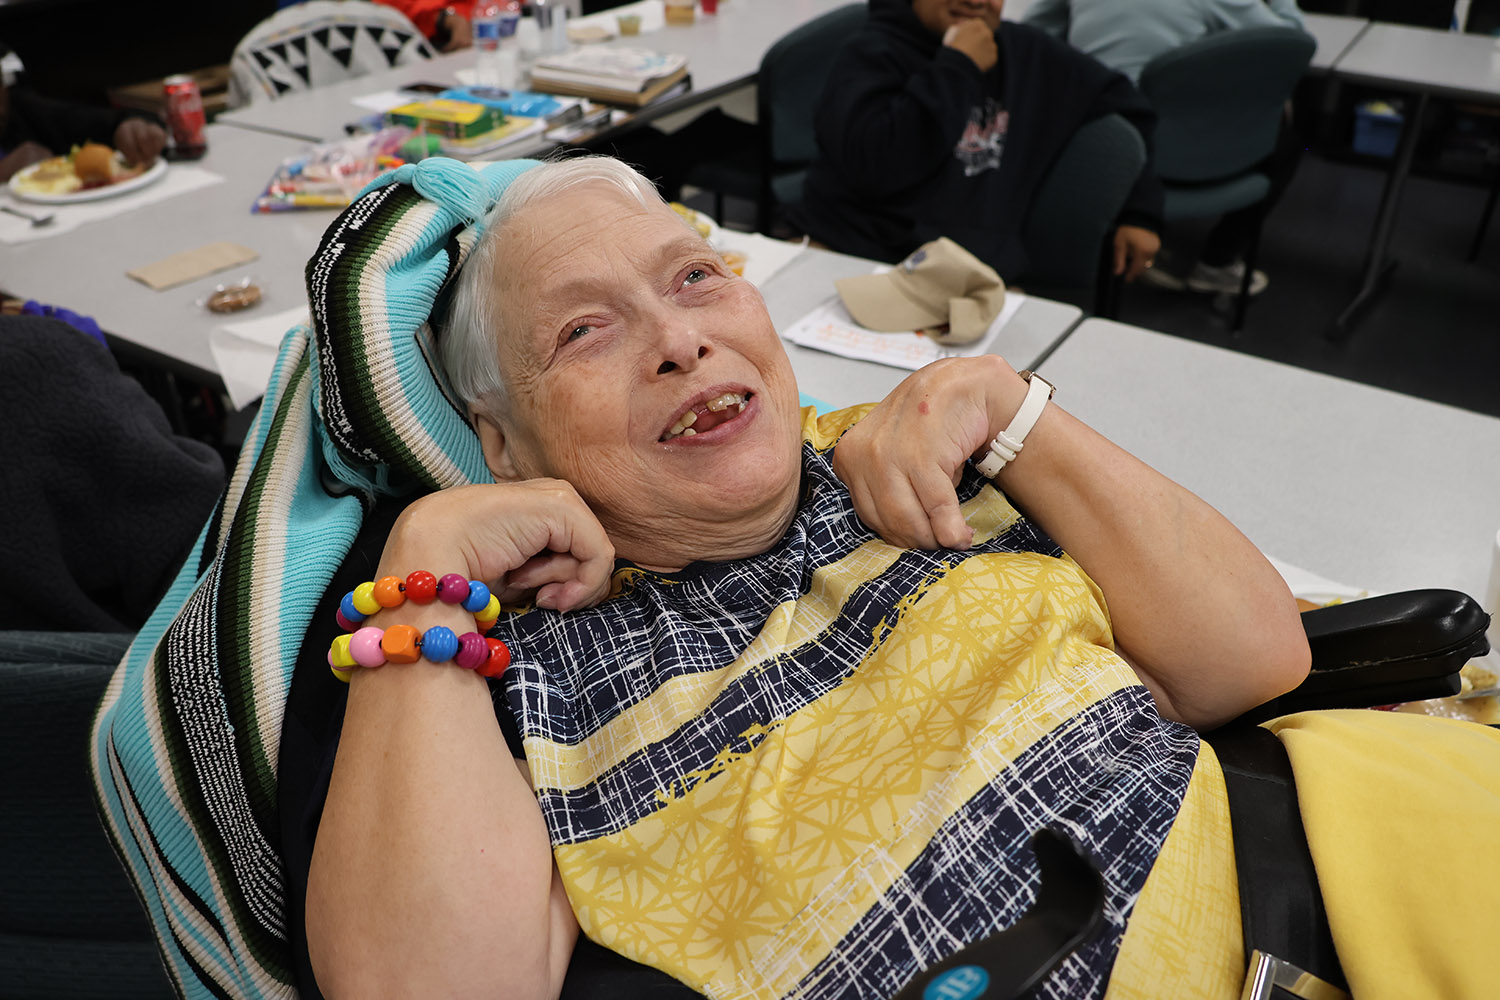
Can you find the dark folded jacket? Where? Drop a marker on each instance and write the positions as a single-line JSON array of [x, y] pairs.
[[99, 500]]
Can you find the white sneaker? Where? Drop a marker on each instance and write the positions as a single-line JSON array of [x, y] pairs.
[[1157, 276], [1225, 280]]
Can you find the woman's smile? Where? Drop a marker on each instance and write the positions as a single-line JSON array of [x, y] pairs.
[[708, 414]]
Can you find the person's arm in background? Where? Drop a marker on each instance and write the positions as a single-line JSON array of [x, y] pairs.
[[884, 129], [23, 156], [1204, 619], [1137, 238], [1051, 16], [61, 125], [1227, 15], [438, 20]]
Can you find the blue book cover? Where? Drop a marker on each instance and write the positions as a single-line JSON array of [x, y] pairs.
[[513, 102]]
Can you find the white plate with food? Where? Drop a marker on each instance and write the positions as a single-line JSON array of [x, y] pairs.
[[89, 173]]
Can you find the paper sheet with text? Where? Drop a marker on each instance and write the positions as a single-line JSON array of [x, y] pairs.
[[830, 328]]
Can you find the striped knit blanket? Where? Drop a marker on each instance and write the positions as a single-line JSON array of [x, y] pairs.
[[184, 749]]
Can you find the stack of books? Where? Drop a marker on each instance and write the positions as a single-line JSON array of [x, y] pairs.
[[515, 135], [468, 126], [629, 77], [447, 119]]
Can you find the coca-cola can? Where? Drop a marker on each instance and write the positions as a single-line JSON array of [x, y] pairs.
[[185, 118]]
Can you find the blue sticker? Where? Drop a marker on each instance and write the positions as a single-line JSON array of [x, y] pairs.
[[963, 983], [910, 264]]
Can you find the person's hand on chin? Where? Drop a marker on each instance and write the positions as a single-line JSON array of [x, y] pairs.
[[974, 39]]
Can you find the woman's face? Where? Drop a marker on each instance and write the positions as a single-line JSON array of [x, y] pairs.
[[619, 321]]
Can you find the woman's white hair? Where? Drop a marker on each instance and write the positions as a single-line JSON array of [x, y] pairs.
[[475, 321]]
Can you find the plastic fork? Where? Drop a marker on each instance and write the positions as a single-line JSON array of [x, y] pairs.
[[35, 220]]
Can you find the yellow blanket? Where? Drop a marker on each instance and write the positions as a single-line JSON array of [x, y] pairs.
[[1402, 814]]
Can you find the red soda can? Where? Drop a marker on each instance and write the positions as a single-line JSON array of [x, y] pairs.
[[185, 118]]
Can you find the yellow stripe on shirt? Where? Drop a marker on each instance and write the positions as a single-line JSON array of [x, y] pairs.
[[743, 884]]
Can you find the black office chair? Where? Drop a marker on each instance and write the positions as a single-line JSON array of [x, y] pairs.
[[71, 925], [770, 162], [1068, 227], [1219, 104]]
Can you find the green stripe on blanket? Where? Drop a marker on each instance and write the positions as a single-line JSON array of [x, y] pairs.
[[185, 744]]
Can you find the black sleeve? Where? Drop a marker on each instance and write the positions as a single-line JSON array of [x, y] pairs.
[[101, 500], [1120, 96], [310, 731], [61, 125], [883, 128]]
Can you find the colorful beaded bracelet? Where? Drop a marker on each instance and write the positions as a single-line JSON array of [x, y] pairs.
[[373, 647]]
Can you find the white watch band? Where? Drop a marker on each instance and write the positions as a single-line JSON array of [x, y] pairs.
[[1007, 444]]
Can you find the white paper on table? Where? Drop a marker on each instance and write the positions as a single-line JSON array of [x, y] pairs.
[[384, 100], [1311, 587], [763, 255], [180, 178], [245, 352], [830, 328]]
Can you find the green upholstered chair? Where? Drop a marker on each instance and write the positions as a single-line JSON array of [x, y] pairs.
[[1070, 221], [1219, 107], [769, 164], [71, 926]]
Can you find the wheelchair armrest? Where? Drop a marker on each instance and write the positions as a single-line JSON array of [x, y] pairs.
[[1381, 650]]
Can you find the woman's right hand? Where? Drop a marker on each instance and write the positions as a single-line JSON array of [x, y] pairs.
[[532, 538]]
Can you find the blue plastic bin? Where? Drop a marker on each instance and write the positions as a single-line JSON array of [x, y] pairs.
[[1377, 127]]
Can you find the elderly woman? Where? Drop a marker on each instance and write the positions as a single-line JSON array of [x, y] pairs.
[[787, 694], [721, 734]]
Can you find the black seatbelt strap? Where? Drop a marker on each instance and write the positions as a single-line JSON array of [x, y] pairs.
[[1281, 905]]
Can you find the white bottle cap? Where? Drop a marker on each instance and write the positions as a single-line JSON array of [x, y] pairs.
[[528, 37]]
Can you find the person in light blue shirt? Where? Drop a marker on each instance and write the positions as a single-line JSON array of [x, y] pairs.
[[1125, 36]]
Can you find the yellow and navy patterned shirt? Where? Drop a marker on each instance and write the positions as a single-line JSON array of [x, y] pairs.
[[814, 772]]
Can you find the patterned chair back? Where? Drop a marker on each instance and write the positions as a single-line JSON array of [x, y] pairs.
[[320, 42]]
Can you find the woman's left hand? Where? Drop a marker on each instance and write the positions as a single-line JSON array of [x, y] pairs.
[[903, 461], [140, 141], [1135, 250]]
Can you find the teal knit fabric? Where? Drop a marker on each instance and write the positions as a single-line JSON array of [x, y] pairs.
[[184, 748]]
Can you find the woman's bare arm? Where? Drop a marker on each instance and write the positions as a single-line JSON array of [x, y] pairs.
[[1205, 620], [432, 874]]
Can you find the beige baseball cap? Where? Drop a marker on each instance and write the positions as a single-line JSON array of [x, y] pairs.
[[940, 283]]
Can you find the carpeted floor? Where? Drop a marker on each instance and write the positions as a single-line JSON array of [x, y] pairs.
[[1434, 332]]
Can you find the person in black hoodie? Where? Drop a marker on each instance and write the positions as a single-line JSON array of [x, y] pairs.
[[33, 128], [941, 120]]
